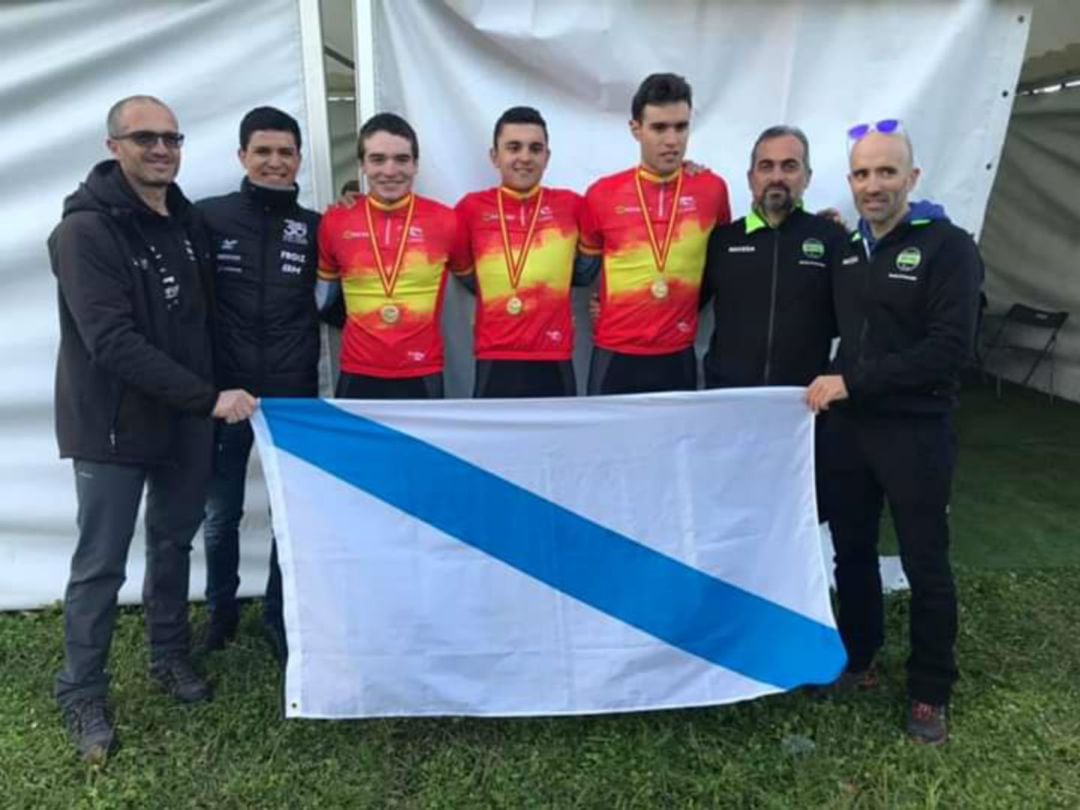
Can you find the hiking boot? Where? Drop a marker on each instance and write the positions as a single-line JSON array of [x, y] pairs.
[[87, 722], [927, 724], [220, 630], [850, 680], [175, 675]]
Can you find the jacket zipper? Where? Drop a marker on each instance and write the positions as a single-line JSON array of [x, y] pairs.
[[772, 305], [261, 315]]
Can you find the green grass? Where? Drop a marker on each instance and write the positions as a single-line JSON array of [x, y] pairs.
[[1016, 730]]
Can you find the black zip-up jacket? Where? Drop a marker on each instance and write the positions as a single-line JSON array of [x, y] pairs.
[[772, 299], [135, 340], [907, 311], [267, 324]]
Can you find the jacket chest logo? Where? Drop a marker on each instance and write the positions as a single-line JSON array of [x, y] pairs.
[[741, 249], [908, 260], [296, 232], [813, 249]]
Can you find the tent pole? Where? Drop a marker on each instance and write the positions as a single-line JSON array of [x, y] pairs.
[[317, 143]]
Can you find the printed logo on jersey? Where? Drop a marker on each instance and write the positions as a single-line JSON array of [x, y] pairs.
[[295, 232]]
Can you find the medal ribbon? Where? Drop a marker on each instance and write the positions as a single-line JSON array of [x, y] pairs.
[[660, 252], [515, 267], [389, 280]]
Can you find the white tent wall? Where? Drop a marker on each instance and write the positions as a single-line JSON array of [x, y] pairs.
[[451, 67], [1031, 242], [947, 69], [65, 63]]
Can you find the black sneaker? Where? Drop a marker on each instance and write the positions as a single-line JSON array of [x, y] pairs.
[[87, 722], [175, 675], [220, 630], [927, 724]]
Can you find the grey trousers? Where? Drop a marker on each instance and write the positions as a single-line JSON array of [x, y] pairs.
[[108, 503]]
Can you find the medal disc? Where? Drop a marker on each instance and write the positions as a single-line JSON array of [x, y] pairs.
[[659, 289], [515, 305], [390, 314]]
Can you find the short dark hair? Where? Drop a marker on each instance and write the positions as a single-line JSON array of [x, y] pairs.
[[267, 118], [779, 131], [387, 122], [660, 88], [519, 115]]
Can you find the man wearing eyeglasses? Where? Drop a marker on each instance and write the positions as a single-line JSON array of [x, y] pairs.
[[266, 340], [134, 397], [906, 300]]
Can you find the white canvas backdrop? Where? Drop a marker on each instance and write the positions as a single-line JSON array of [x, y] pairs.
[[452, 66], [65, 63]]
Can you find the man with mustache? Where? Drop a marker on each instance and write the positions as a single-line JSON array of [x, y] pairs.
[[769, 275], [906, 303], [647, 229], [134, 401]]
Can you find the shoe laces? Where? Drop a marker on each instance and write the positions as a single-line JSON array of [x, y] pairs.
[[90, 715]]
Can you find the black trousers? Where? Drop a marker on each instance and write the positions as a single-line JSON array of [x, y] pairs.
[[616, 373], [362, 386], [909, 461], [511, 379], [108, 498]]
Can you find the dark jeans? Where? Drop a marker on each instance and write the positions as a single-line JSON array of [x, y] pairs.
[[510, 379], [362, 386], [221, 531], [615, 373], [909, 461], [108, 498]]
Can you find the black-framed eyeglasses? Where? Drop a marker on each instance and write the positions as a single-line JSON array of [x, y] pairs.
[[145, 138]]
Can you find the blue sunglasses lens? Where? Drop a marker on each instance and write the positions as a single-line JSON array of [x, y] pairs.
[[858, 131], [888, 126]]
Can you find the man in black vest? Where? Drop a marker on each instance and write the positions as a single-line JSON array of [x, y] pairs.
[[267, 333], [906, 300], [134, 397]]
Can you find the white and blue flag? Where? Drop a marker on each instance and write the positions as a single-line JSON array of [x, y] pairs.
[[539, 557]]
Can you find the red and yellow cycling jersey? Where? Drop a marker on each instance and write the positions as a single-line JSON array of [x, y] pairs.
[[391, 261], [522, 246], [652, 232]]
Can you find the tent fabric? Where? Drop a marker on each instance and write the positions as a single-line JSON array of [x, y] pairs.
[[1031, 240], [64, 65]]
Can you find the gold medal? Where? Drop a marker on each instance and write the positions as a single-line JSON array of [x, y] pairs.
[[390, 314], [660, 250], [515, 265], [388, 277]]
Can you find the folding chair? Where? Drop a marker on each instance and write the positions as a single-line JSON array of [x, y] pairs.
[[1023, 321]]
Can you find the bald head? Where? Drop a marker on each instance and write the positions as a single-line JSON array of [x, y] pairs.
[[114, 121], [882, 175]]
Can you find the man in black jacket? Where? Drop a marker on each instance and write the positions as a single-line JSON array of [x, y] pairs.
[[906, 300], [769, 275], [267, 332], [134, 397]]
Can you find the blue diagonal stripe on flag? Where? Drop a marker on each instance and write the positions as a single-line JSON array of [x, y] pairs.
[[681, 605]]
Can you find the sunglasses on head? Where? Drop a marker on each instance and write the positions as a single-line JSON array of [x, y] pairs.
[[144, 138], [886, 126]]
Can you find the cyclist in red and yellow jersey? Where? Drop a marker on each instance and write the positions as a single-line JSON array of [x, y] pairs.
[[650, 226], [388, 256], [518, 244]]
